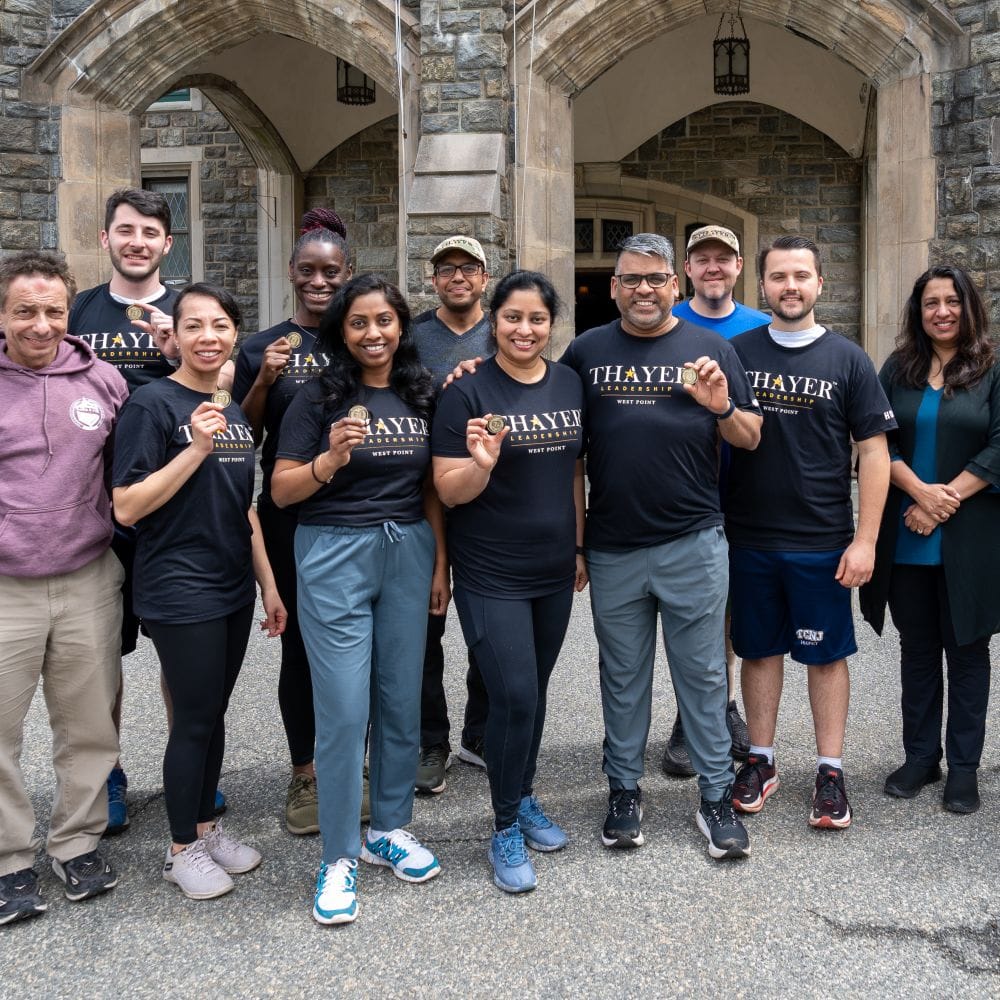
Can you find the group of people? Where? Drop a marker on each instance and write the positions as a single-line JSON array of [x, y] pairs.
[[718, 445]]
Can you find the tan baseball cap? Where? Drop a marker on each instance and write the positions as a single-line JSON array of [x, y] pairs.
[[718, 233], [464, 243]]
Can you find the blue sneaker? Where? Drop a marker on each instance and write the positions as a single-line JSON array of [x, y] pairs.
[[512, 868], [403, 853], [220, 803], [336, 899], [540, 833], [117, 808]]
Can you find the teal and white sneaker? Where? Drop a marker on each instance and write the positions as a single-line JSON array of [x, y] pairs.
[[403, 853], [336, 899], [540, 833]]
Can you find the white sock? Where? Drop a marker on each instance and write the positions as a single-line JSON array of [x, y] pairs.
[[767, 752], [837, 762]]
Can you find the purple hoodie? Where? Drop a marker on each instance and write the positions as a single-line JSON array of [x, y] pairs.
[[55, 442]]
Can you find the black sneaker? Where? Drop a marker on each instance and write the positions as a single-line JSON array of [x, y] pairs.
[[738, 732], [19, 896], [756, 781], [727, 837], [676, 761], [85, 876], [830, 808], [434, 761], [622, 826]]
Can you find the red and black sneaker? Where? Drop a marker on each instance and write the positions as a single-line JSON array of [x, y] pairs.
[[830, 809], [755, 781]]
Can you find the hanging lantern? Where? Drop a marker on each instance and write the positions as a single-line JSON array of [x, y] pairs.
[[732, 57], [353, 87]]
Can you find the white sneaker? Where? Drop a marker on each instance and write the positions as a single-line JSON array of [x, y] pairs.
[[336, 899], [198, 876], [230, 855], [403, 853]]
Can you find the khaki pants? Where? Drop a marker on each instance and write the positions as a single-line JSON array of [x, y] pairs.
[[65, 631]]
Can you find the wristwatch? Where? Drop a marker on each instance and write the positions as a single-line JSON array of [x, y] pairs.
[[730, 410]]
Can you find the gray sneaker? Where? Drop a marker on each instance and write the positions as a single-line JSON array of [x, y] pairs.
[[230, 855], [198, 876]]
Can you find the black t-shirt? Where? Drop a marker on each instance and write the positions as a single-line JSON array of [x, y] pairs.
[[794, 492], [518, 537], [652, 451], [193, 560], [100, 321], [304, 364], [384, 479]]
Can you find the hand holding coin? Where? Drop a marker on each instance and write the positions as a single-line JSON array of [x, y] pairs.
[[483, 438], [346, 434], [708, 384], [276, 356], [207, 420], [157, 324]]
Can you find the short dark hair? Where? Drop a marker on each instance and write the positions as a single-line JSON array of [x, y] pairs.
[[150, 203], [229, 304], [46, 263], [790, 243], [524, 281]]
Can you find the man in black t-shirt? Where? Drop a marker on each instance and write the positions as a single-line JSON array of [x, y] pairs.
[[794, 553], [455, 331], [659, 393]]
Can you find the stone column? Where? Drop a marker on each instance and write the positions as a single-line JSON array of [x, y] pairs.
[[460, 168]]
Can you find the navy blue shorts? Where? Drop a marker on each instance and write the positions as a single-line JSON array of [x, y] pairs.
[[789, 602]]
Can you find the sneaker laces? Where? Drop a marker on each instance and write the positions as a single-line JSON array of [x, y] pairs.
[[511, 844], [302, 791], [434, 757], [88, 864], [625, 802], [218, 837], [19, 884], [532, 811], [342, 867], [829, 790], [722, 811], [198, 858], [750, 772]]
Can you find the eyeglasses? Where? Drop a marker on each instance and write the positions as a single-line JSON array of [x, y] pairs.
[[448, 270], [655, 280]]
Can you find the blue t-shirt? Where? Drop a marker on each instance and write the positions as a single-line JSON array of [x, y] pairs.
[[517, 538], [741, 319], [305, 363], [652, 451], [793, 493], [384, 479], [100, 321], [913, 549], [193, 560]]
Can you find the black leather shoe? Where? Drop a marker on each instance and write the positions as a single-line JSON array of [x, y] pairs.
[[676, 761], [906, 781], [961, 792]]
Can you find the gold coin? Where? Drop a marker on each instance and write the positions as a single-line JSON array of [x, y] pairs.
[[295, 340], [496, 424], [222, 397], [689, 376], [135, 312], [359, 412]]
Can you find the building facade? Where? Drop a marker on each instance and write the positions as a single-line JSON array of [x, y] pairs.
[[548, 129]]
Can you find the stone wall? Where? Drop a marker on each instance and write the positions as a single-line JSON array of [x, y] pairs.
[[30, 164], [794, 179], [966, 134], [228, 196], [359, 180]]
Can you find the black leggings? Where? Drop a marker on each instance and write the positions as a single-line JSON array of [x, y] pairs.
[[295, 693], [200, 663], [516, 644]]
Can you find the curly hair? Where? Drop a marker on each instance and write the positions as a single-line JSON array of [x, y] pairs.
[[28, 263], [341, 380], [914, 350]]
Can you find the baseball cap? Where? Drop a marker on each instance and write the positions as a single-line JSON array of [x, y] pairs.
[[464, 243], [719, 233]]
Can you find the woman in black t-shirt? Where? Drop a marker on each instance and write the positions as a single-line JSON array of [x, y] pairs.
[[271, 368], [369, 549], [507, 443], [183, 475]]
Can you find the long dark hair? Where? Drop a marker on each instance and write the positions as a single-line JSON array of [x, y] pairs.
[[914, 352], [341, 379]]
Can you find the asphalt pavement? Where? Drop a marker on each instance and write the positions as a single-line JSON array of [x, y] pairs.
[[904, 904]]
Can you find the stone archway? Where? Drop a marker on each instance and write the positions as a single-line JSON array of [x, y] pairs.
[[893, 46]]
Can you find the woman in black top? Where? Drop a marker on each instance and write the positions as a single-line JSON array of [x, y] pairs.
[[507, 443], [271, 368], [183, 475]]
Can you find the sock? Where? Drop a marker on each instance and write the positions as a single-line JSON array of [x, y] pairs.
[[374, 834], [767, 752], [837, 762]]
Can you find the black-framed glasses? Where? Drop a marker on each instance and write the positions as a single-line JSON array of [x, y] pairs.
[[448, 270], [655, 280]]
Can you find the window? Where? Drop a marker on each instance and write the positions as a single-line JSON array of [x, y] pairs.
[[176, 268]]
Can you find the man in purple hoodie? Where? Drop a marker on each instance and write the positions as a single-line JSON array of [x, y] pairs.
[[60, 583]]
